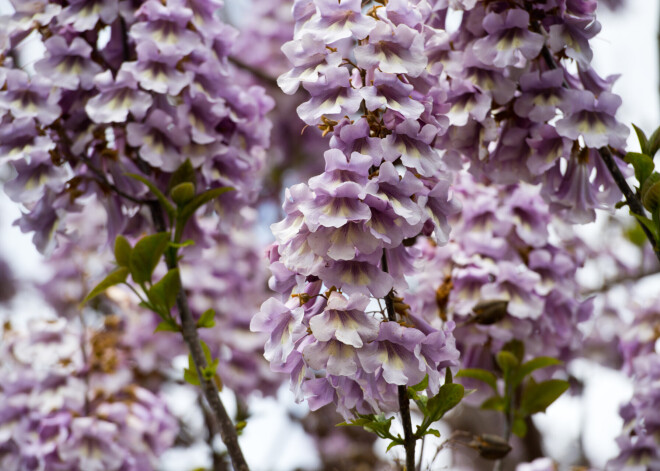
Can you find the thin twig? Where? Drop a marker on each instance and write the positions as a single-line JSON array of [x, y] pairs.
[[619, 280], [254, 71], [404, 400], [189, 332]]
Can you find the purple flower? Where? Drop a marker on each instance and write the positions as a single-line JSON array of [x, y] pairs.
[[166, 27], [310, 58], [83, 15], [542, 95], [118, 97], [160, 140], [284, 325], [593, 119], [333, 97], [572, 38], [412, 145], [26, 97], [339, 20], [395, 355], [345, 320], [68, 65], [509, 42], [390, 92], [397, 50], [157, 72]]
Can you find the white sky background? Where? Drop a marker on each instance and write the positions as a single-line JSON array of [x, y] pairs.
[[627, 45]]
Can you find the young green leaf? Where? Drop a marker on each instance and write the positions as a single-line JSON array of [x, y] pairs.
[[184, 174], [206, 320], [146, 254], [123, 251], [516, 347], [481, 375], [653, 144], [116, 277], [421, 386], [641, 137], [447, 398], [651, 195], [199, 200], [536, 397], [643, 165], [507, 362], [168, 326], [494, 403], [163, 294], [530, 366], [169, 209]]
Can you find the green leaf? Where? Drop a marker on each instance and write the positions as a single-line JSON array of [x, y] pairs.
[[184, 174], [516, 347], [190, 376], [654, 143], [519, 427], [643, 165], [123, 251], [538, 396], [421, 386], [494, 403], [482, 375], [651, 195], [168, 326], [169, 209], [643, 141], [392, 444], [532, 365], [183, 193], [163, 294], [448, 376], [190, 373], [199, 200], [180, 245], [206, 321], [432, 431], [507, 362], [116, 277], [146, 254], [446, 399], [646, 222]]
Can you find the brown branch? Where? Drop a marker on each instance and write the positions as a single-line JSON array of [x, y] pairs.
[[404, 399], [189, 332]]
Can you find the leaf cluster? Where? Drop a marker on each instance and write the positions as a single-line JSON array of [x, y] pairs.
[[648, 189], [522, 395]]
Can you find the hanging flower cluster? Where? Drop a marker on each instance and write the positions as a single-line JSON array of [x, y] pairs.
[[518, 109], [63, 404], [341, 248], [501, 277], [123, 87]]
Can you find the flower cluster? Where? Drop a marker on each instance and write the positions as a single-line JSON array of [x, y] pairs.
[[63, 408], [341, 247], [135, 87], [519, 111], [501, 277]]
